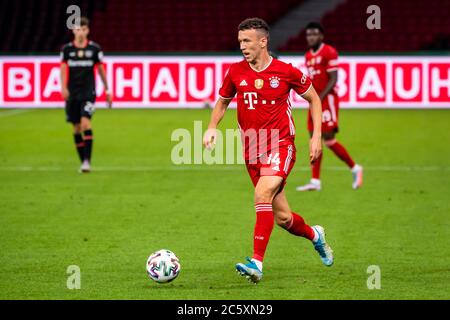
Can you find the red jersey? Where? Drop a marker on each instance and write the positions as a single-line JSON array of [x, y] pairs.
[[319, 63], [263, 105]]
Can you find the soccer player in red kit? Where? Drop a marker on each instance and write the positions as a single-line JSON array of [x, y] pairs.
[[262, 85], [322, 64]]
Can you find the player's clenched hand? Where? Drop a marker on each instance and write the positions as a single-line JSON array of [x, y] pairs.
[[65, 93], [209, 139], [315, 148]]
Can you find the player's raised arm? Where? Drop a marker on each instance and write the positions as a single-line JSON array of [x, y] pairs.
[[315, 106], [209, 139]]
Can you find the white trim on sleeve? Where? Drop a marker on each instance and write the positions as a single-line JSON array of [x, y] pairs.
[[306, 90], [225, 98]]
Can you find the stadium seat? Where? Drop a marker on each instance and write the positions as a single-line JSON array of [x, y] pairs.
[[401, 29]]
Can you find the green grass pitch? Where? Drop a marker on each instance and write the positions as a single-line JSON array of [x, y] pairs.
[[136, 202]]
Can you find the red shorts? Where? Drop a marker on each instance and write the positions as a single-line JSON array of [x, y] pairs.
[[274, 163], [330, 114]]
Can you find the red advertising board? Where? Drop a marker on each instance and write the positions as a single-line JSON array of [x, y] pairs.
[[187, 82]]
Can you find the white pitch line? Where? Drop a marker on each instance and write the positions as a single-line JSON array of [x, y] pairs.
[[213, 168], [14, 112]]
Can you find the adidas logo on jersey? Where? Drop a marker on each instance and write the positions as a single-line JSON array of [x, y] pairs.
[[243, 83]]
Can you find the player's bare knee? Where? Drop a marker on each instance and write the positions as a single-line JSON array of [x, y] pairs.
[[282, 218], [329, 138], [266, 189], [77, 128], [85, 124], [264, 195]]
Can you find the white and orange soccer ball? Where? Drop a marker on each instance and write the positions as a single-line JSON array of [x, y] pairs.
[[163, 266]]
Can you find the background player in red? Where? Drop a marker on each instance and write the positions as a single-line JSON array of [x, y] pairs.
[[322, 64], [78, 59], [262, 84]]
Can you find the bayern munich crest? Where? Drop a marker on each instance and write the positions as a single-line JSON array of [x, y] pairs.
[[274, 82]]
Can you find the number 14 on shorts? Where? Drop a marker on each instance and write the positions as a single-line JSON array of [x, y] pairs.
[[274, 158]]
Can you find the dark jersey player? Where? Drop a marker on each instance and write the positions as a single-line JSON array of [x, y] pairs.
[[78, 60], [261, 85], [321, 61]]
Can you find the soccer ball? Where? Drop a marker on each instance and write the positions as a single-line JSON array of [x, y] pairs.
[[163, 266]]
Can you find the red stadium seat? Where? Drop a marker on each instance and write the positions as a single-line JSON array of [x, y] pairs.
[[205, 25], [189, 25], [404, 27]]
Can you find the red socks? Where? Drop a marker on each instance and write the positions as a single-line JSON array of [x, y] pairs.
[[298, 227], [263, 229], [340, 152], [315, 167], [264, 225]]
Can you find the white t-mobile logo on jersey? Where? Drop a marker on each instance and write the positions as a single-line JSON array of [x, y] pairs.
[[250, 98]]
